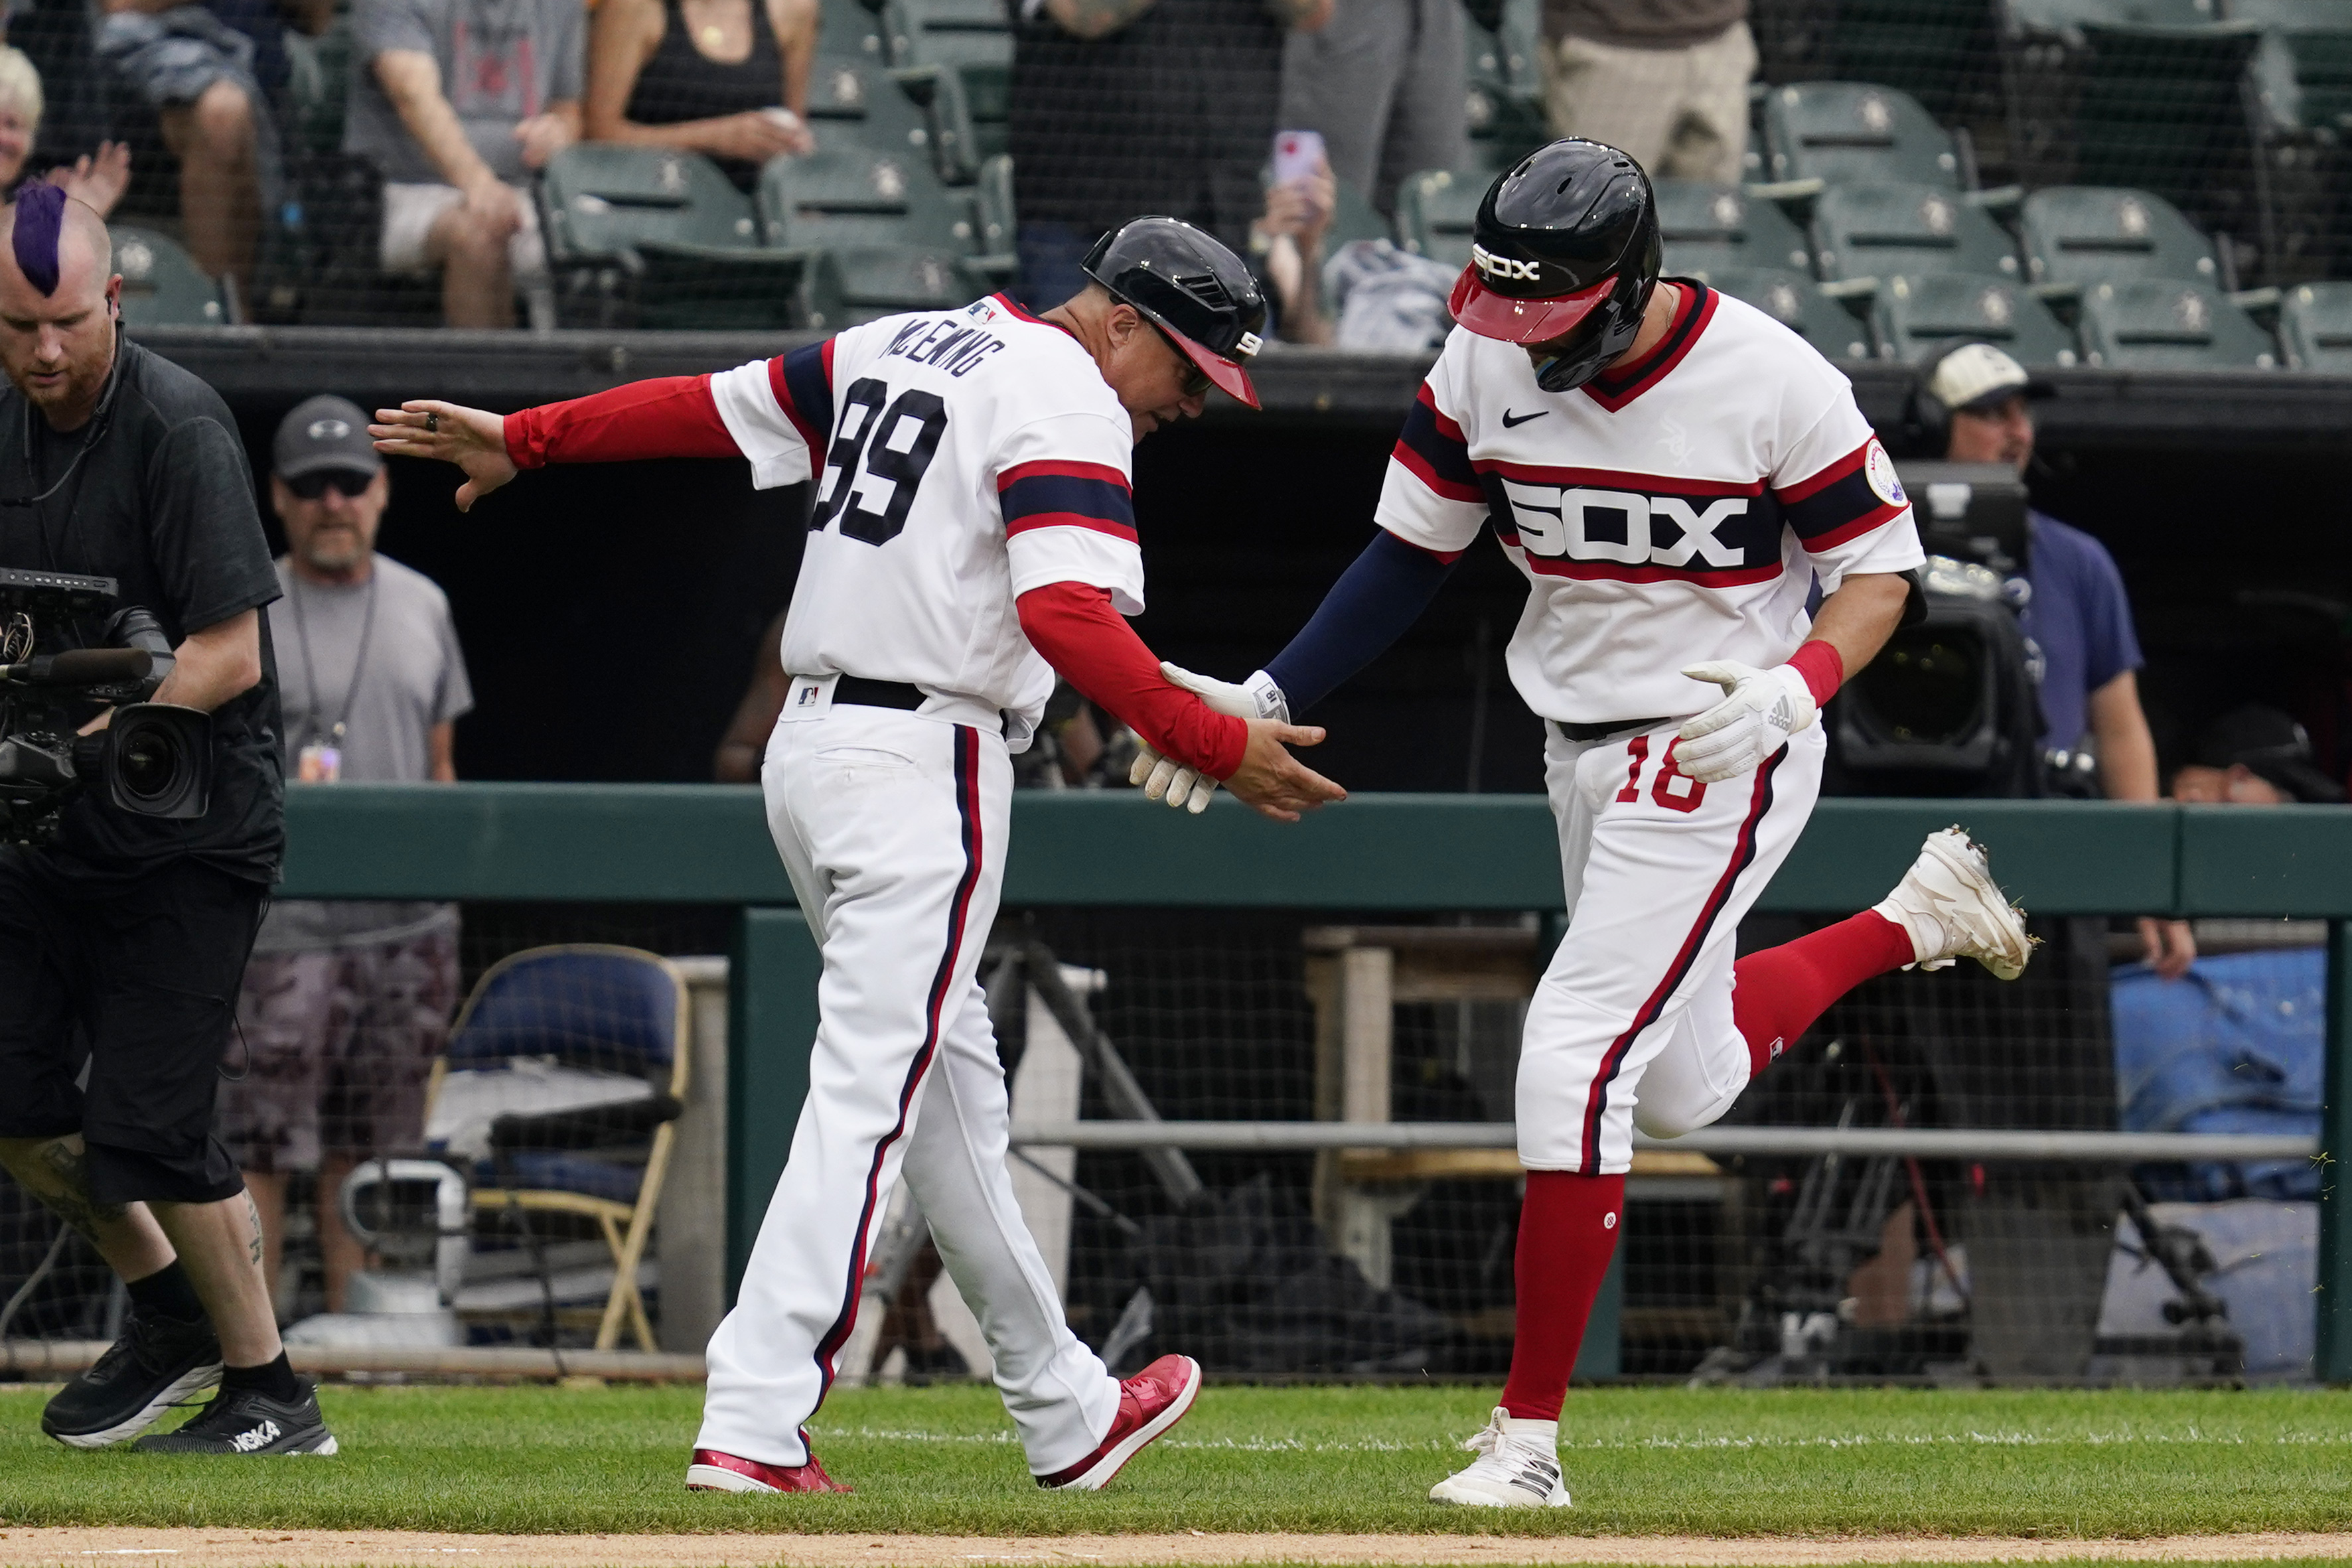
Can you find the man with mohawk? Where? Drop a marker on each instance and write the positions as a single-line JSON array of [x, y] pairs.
[[123, 938]]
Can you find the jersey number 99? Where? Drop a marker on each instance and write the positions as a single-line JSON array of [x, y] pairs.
[[866, 429]]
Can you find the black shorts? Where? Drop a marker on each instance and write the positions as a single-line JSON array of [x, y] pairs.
[[138, 978]]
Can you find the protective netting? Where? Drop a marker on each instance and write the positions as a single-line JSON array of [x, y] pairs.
[[2111, 181], [1387, 1263]]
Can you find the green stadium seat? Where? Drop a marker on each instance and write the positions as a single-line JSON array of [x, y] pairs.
[[1354, 217], [1505, 104], [2165, 324], [2302, 69], [1435, 210], [1844, 131], [1708, 226], [901, 240], [1796, 302], [994, 207], [1879, 230], [1912, 316], [667, 235], [2315, 327], [2076, 234], [955, 59], [2062, 17], [317, 84], [162, 284]]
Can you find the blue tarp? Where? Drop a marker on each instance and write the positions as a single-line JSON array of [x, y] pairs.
[[2235, 1046]]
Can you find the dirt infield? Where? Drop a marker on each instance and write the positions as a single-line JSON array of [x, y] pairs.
[[24, 1548]]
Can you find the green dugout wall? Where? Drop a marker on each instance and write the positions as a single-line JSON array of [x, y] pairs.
[[709, 845]]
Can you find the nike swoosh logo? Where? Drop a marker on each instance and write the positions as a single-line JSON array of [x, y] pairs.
[[1510, 423]]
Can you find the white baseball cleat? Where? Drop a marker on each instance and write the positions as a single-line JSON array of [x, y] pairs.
[[1950, 907], [1517, 1467]]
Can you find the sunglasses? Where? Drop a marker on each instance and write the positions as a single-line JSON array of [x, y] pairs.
[[311, 486], [1196, 380]]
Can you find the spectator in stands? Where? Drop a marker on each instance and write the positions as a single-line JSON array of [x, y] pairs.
[[1286, 253], [2079, 613], [725, 77], [209, 73], [345, 1005], [458, 101], [1665, 80], [1141, 106], [97, 179], [2255, 756], [1382, 82]]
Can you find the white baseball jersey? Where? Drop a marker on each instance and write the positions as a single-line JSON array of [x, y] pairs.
[[1679, 513], [968, 456]]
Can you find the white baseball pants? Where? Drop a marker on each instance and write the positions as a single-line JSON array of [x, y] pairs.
[[1630, 1024], [893, 829]]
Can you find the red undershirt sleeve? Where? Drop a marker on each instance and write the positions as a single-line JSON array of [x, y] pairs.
[[670, 416], [1073, 625]]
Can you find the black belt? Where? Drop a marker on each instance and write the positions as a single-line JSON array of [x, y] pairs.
[[863, 693], [1601, 731], [860, 692]]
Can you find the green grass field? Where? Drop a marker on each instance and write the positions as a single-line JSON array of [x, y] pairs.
[[941, 1459]]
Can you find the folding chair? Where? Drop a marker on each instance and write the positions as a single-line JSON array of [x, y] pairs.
[[598, 1037]]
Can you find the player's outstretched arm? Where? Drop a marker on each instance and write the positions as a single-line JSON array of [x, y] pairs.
[[1272, 782], [472, 438]]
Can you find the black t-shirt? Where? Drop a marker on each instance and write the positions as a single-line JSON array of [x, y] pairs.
[[163, 503], [1174, 114]]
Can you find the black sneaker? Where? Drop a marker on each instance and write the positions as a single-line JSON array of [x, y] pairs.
[[242, 1421], [158, 1363]]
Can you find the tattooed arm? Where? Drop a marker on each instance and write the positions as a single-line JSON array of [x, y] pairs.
[[1095, 18], [1301, 16]]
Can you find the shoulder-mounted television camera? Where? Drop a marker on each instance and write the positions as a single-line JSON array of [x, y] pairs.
[[153, 759], [1952, 705]]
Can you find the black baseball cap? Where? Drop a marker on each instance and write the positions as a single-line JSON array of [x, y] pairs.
[[2274, 748], [324, 434]]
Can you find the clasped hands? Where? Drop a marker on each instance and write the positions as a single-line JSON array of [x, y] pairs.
[[1270, 780]]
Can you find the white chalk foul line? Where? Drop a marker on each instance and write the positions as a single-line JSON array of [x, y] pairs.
[[1744, 1440]]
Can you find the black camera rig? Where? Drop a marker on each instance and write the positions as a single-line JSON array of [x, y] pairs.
[[153, 759]]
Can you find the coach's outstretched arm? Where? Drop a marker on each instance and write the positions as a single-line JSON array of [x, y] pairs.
[[669, 416]]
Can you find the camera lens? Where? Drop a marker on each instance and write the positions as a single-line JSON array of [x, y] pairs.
[[1928, 688], [149, 761]]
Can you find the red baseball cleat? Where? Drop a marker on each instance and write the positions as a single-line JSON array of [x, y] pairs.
[[1148, 1404], [711, 1471]]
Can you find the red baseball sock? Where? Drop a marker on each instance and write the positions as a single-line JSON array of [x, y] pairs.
[[1776, 994], [1568, 1231]]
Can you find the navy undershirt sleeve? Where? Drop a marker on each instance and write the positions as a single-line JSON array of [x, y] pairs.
[[1375, 599]]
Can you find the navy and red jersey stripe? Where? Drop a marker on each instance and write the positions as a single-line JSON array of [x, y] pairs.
[[1614, 388], [1838, 503], [802, 383], [1433, 447], [1053, 494]]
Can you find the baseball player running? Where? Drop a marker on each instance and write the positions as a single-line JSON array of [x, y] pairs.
[[1674, 471], [971, 533]]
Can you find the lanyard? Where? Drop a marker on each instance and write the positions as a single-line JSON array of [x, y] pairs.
[[359, 660]]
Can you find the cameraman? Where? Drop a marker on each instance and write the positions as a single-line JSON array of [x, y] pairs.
[[128, 935]]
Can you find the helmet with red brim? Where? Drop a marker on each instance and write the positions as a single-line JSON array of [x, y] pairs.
[[1565, 250], [1192, 289]]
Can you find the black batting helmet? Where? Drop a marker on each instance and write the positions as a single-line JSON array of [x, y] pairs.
[[1566, 245], [1189, 286]]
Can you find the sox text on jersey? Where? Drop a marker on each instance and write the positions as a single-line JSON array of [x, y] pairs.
[[1679, 513]]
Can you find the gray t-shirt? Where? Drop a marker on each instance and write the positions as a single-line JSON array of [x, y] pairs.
[[410, 676], [501, 61]]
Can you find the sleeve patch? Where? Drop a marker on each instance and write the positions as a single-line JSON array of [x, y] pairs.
[[1844, 500]]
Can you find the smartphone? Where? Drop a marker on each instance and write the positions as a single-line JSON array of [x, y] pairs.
[[1297, 155]]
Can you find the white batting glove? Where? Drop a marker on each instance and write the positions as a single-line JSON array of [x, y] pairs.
[[1760, 710], [1163, 778]]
